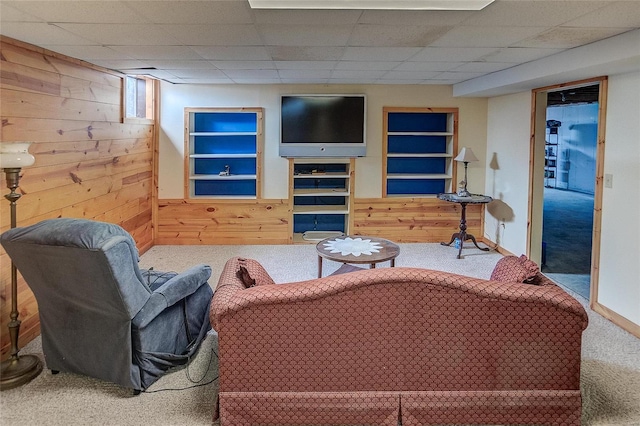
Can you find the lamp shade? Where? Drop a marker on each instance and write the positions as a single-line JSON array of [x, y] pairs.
[[466, 155], [15, 155]]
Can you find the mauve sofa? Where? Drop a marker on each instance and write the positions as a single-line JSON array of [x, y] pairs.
[[379, 346]]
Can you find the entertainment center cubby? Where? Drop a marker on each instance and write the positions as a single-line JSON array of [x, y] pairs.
[[418, 150], [320, 191], [223, 152]]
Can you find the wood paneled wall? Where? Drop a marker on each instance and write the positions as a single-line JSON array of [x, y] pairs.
[[90, 163], [224, 222], [414, 220], [404, 220]]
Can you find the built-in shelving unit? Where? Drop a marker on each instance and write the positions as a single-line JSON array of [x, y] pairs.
[[223, 149], [418, 150], [551, 154], [321, 197]]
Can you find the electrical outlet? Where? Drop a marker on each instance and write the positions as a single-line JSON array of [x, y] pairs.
[[608, 180]]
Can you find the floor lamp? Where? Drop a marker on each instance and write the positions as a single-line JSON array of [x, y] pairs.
[[17, 370]]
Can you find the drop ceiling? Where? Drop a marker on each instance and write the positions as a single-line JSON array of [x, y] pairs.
[[227, 42]]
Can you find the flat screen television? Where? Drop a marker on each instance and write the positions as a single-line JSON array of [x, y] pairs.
[[323, 126]]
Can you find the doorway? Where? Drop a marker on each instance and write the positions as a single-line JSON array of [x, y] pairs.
[[571, 138], [567, 189]]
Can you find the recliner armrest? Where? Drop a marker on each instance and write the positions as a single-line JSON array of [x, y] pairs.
[[171, 292]]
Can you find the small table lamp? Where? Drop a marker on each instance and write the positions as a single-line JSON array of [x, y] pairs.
[[17, 370], [465, 155]]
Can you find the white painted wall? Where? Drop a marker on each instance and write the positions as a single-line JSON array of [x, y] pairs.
[[174, 98], [508, 127], [619, 280], [577, 140], [507, 163]]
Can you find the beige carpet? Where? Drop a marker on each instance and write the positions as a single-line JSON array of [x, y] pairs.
[[610, 373]]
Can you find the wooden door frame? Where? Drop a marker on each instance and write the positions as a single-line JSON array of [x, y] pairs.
[[599, 178]]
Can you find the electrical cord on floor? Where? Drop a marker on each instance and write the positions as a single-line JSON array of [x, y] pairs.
[[197, 382]]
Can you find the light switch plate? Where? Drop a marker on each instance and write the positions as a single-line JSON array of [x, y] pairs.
[[608, 180]]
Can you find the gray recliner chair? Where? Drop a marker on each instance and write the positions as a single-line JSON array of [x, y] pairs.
[[102, 316]]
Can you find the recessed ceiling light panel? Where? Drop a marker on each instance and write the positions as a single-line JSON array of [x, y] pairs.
[[372, 4]]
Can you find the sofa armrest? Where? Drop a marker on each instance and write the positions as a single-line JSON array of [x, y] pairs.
[[173, 291], [230, 284]]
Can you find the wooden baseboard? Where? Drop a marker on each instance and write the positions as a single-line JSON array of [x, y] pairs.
[[616, 318]]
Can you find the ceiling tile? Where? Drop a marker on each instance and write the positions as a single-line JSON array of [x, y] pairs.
[[233, 53], [103, 12], [158, 52], [359, 73], [409, 75], [214, 35], [539, 13], [305, 53], [396, 35], [623, 14], [305, 65], [486, 36], [198, 73], [304, 35], [41, 34], [257, 80], [482, 67], [121, 34], [428, 66], [457, 76], [566, 38], [367, 65], [414, 17], [224, 80], [306, 17], [375, 53], [15, 14], [252, 74], [519, 54], [395, 81], [178, 65], [194, 12], [244, 65], [304, 74], [448, 54], [89, 53]]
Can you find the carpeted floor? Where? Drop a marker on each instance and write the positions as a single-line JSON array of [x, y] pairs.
[[567, 234], [185, 396]]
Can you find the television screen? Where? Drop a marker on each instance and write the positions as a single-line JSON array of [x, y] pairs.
[[322, 125]]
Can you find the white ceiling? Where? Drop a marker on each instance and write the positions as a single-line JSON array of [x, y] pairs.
[[225, 41]]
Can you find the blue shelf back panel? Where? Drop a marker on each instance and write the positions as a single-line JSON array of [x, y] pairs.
[[225, 122], [225, 187], [416, 165], [232, 144], [319, 183], [320, 222], [213, 166], [415, 186], [319, 201], [416, 144], [417, 122]]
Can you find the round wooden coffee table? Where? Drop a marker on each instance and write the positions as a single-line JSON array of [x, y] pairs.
[[357, 250]]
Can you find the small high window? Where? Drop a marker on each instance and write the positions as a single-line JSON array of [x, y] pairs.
[[138, 97]]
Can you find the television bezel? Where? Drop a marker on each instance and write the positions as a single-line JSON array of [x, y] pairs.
[[320, 149]]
